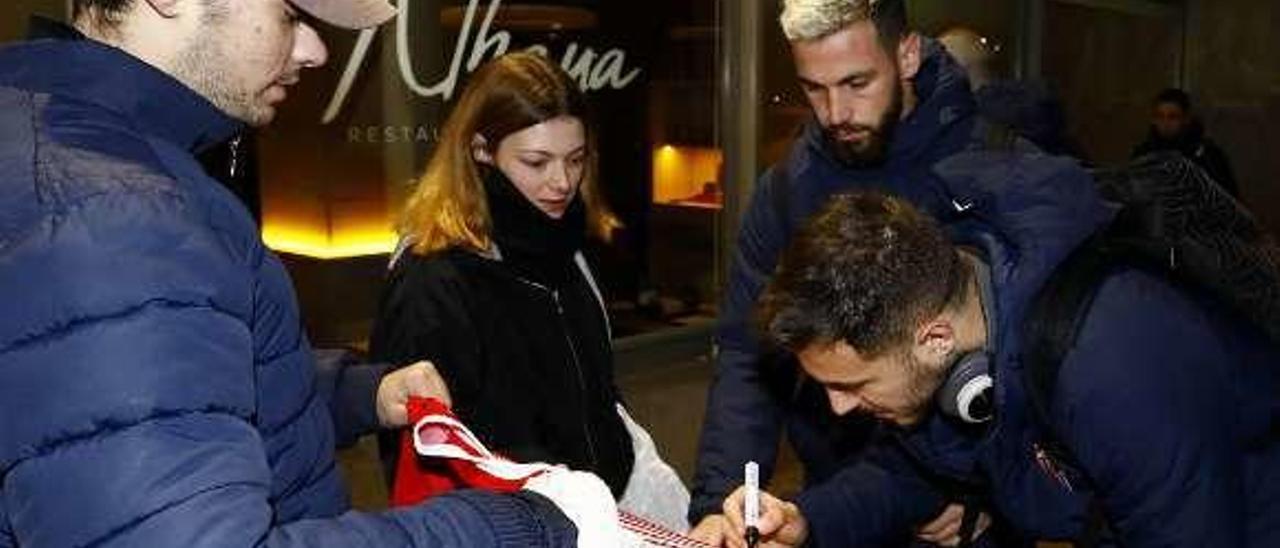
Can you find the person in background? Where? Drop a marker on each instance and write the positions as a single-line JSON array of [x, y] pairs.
[[1174, 127], [975, 52], [156, 387], [1029, 109], [493, 287]]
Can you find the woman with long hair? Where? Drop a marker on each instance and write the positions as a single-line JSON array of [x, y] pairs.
[[492, 285]]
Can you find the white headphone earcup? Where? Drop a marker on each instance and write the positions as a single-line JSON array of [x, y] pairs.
[[966, 394]]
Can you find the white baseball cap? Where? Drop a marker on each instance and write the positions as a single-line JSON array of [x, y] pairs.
[[350, 14]]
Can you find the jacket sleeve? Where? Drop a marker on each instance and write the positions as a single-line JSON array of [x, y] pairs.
[[128, 395], [743, 420], [1144, 404], [351, 388], [876, 501]]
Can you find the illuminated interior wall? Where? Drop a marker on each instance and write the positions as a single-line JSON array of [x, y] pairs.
[[321, 197], [681, 173]]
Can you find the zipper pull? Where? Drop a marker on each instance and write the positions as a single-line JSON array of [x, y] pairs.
[[233, 168], [1050, 467]]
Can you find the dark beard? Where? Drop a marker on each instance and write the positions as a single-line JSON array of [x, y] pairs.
[[875, 149]]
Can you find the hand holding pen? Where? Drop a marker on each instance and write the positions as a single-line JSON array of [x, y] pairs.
[[777, 523]]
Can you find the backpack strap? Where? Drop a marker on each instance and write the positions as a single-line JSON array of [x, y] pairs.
[[1056, 316]]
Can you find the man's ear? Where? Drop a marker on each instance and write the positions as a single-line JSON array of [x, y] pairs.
[[480, 149], [935, 341], [909, 56], [167, 8]]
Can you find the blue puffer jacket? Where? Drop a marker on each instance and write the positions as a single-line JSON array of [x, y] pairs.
[[752, 396], [155, 386], [1167, 407]]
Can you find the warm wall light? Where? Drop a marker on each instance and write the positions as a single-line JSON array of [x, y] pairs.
[[322, 245], [682, 175]]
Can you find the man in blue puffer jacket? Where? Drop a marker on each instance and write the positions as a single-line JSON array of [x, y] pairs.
[[1166, 405], [156, 388]]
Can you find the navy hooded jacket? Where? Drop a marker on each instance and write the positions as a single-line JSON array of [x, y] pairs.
[[156, 388], [1167, 406], [751, 395]]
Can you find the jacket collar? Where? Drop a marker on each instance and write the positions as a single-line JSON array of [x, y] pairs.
[[95, 73], [39, 27]]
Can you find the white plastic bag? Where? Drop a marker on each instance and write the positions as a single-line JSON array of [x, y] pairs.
[[654, 490]]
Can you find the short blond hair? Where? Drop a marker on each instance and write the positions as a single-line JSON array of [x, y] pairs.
[[804, 20]]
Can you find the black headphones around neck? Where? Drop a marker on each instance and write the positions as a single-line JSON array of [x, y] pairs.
[[968, 394]]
